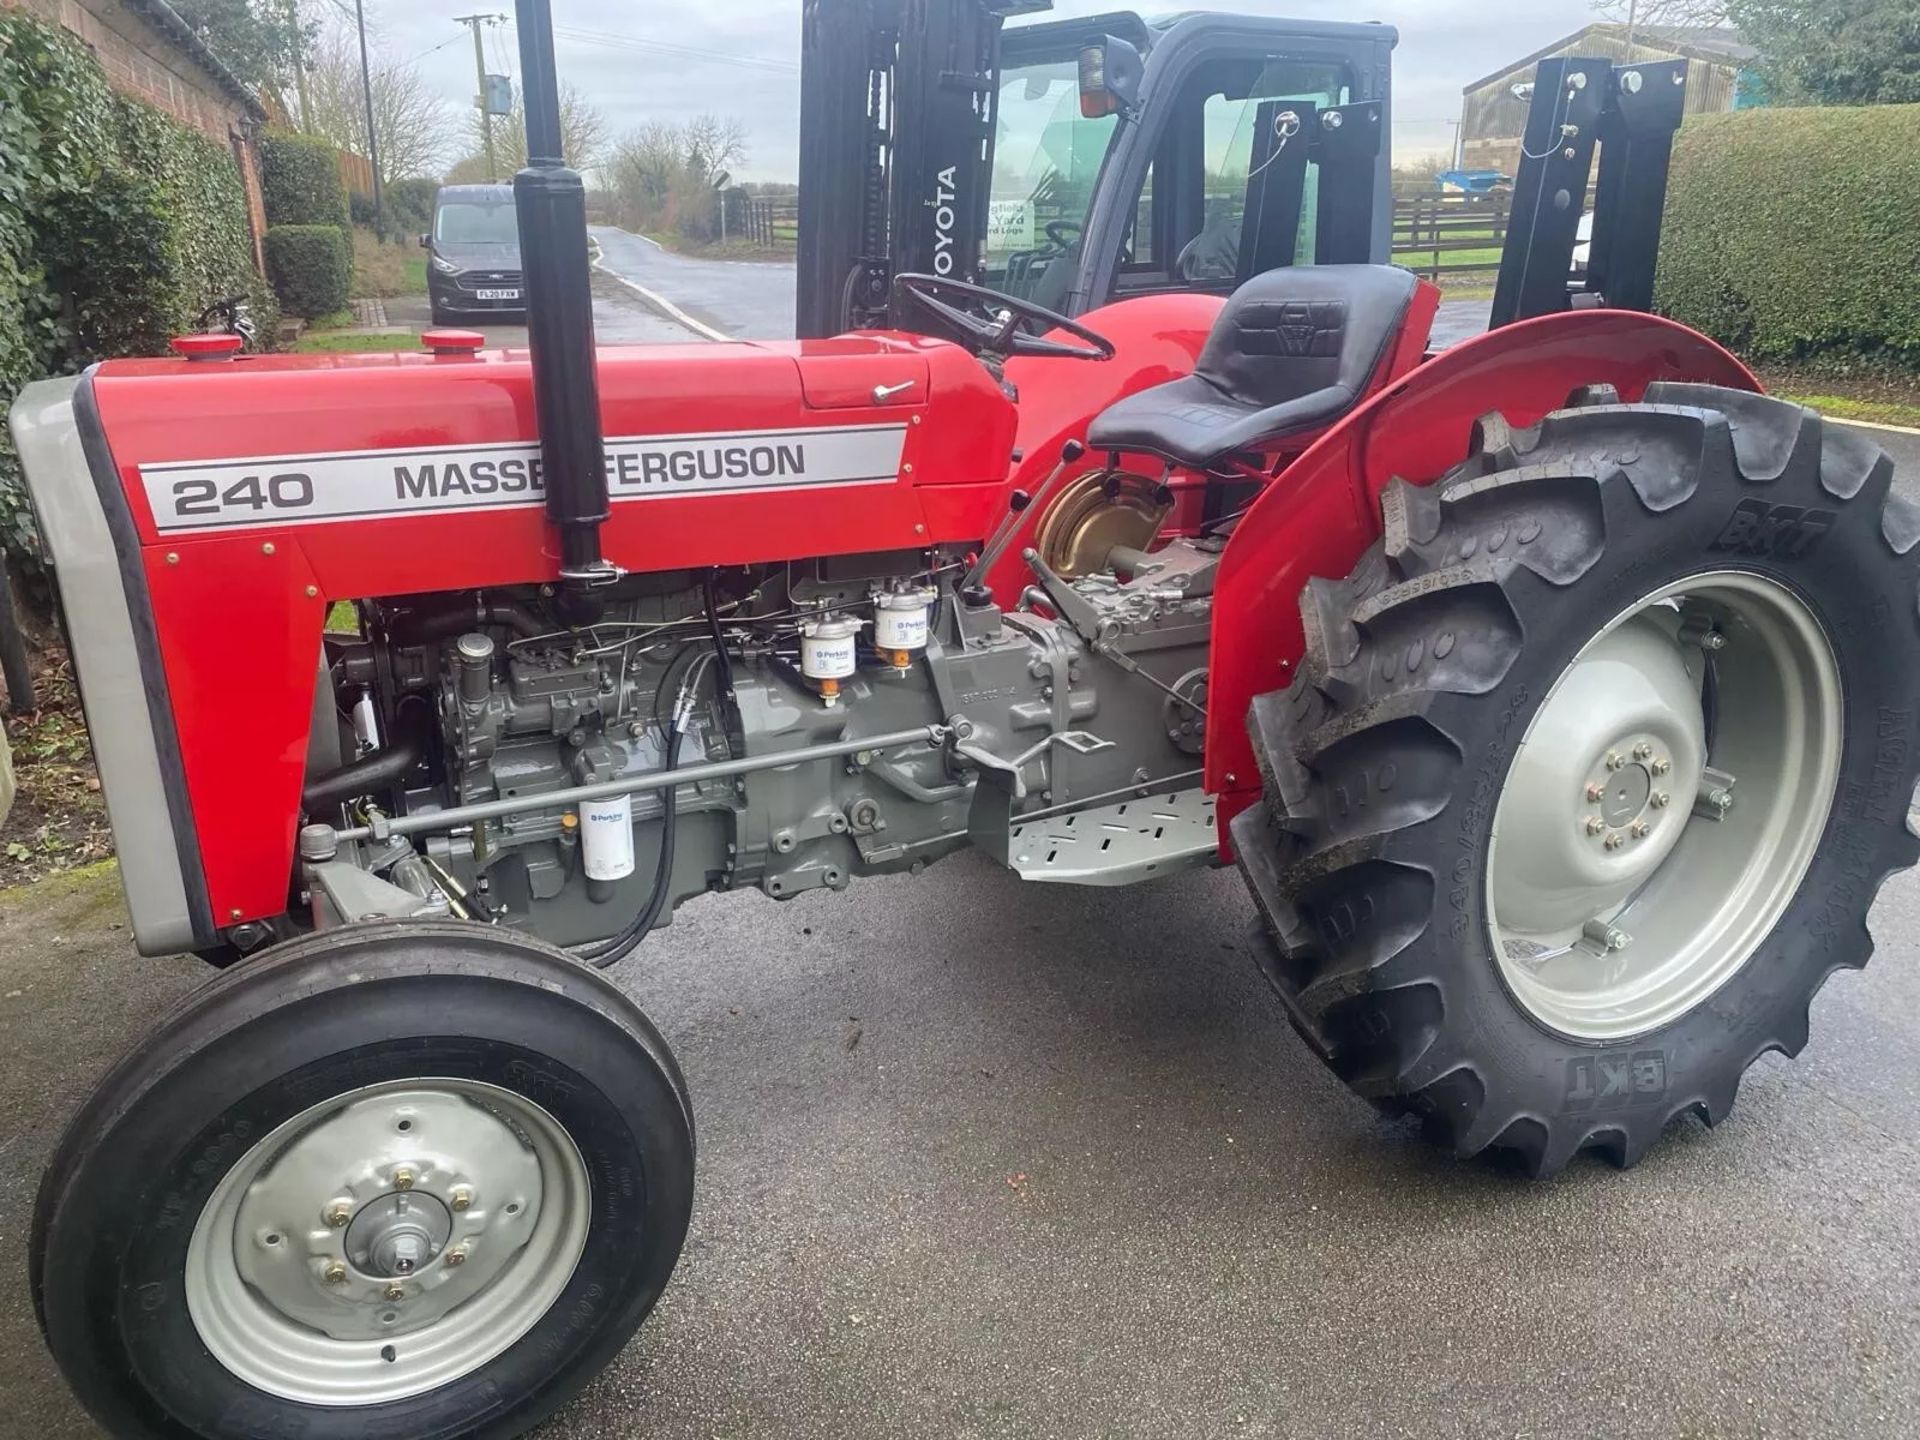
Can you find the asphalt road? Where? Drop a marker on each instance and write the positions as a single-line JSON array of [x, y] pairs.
[[620, 317], [983, 1161], [736, 299], [750, 300]]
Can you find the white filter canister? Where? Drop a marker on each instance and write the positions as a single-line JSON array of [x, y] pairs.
[[900, 620], [606, 838], [826, 648]]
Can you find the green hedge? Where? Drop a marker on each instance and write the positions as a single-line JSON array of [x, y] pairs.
[[311, 267], [117, 227], [409, 206], [300, 181], [1794, 235]]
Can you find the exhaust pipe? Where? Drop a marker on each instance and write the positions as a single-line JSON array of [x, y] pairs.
[[550, 201]]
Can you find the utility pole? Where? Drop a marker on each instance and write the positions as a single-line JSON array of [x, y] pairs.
[[474, 22], [373, 142]]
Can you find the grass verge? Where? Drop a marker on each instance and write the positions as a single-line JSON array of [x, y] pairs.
[[349, 343], [1880, 400], [384, 270]]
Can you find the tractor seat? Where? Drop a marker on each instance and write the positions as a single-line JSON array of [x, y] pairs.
[[1293, 351]]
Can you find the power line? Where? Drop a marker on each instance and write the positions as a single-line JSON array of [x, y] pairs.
[[678, 52], [414, 60]]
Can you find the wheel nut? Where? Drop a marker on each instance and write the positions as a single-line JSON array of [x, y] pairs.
[[1595, 825], [456, 1257], [395, 1291], [1615, 840], [1615, 760], [1641, 829], [1662, 766], [1596, 792], [1643, 751], [338, 1215], [461, 1198], [336, 1273], [1659, 799], [403, 1178]]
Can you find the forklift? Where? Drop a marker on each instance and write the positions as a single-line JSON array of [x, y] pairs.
[[1074, 163]]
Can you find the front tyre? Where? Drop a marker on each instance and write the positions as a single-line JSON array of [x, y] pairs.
[[1593, 769], [407, 1179]]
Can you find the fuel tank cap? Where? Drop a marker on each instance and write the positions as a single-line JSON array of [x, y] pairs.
[[208, 347]]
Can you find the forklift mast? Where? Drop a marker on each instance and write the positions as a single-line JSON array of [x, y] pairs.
[[896, 140], [1627, 115]]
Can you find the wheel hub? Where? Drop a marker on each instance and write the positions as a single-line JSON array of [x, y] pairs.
[[398, 1234], [1578, 828], [376, 1245], [1624, 885]]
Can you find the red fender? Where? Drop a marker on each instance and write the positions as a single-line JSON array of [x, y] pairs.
[[1323, 512]]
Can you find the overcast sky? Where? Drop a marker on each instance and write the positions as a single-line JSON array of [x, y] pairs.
[[641, 60]]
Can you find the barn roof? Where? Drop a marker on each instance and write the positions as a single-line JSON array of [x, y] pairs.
[[1712, 45]]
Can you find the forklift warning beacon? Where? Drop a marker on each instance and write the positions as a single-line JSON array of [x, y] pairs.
[[1554, 692]]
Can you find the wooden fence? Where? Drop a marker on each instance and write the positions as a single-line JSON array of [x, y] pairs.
[[1451, 235], [1438, 236], [765, 223]]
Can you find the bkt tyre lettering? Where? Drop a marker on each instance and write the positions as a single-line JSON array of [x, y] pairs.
[[1786, 532]]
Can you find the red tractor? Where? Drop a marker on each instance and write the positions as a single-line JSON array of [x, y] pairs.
[[1554, 693]]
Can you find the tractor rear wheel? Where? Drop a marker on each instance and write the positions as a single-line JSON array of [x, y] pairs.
[[1593, 768], [400, 1179]]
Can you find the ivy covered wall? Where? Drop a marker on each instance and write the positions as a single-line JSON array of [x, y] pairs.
[[118, 226]]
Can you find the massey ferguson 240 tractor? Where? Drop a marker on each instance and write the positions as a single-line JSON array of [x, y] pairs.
[[1557, 693]]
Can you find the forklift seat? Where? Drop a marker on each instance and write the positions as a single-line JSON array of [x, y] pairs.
[[1293, 351]]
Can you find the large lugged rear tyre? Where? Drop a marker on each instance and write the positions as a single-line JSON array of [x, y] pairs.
[[1593, 768], [405, 1179]]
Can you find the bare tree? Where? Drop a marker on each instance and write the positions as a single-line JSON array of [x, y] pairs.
[[668, 178], [583, 135], [713, 144], [411, 119], [642, 167], [1643, 15]]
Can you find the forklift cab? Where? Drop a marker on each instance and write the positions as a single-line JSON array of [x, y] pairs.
[[1188, 154], [1071, 163]]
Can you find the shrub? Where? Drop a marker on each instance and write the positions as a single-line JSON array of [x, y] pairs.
[[410, 206], [117, 227], [300, 181], [1794, 235], [311, 267], [360, 207]]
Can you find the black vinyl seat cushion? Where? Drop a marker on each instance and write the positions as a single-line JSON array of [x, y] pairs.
[[1293, 350]]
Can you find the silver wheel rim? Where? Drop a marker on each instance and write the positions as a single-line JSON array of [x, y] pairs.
[[1630, 874], [387, 1242]]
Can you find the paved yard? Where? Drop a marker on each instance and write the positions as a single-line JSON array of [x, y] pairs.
[[983, 1160]]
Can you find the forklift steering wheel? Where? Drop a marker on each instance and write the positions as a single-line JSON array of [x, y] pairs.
[[993, 325]]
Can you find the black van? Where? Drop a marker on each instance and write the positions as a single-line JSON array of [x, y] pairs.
[[473, 255]]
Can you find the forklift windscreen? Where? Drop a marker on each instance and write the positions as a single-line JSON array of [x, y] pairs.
[[1187, 218]]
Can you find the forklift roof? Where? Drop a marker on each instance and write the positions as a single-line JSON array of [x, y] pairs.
[[1018, 39]]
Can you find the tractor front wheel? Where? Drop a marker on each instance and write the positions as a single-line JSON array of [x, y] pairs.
[[395, 1179], [1593, 769]]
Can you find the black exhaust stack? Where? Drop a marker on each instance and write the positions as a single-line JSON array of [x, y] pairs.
[[551, 202]]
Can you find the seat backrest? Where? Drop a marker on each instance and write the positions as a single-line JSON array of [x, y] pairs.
[[1292, 331]]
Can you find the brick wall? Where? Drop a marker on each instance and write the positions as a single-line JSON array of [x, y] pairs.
[[142, 62]]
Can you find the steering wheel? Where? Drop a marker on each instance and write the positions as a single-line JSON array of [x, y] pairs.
[[996, 326], [1063, 235]]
